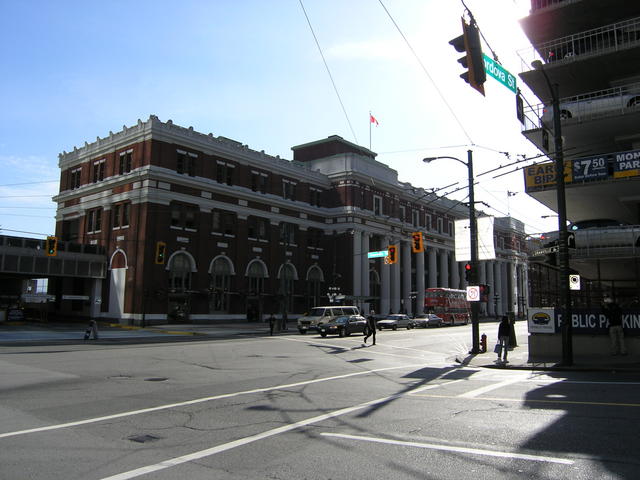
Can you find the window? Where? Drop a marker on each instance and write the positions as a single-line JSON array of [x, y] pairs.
[[219, 286], [186, 163], [450, 228], [288, 233], [428, 221], [258, 228], [439, 220], [75, 178], [94, 220], [259, 182], [98, 171], [377, 205], [121, 215], [124, 165], [223, 222], [415, 218], [183, 216], [224, 173], [403, 213], [314, 237], [314, 195], [180, 273], [256, 273], [288, 189]]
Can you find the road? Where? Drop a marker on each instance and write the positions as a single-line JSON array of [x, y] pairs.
[[304, 407]]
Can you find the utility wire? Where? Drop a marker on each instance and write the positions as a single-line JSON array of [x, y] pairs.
[[335, 88], [424, 69]]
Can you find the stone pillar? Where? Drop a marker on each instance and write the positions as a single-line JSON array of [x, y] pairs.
[[455, 273], [364, 268], [491, 310], [357, 264], [406, 276], [395, 280], [385, 288], [444, 269], [433, 268], [499, 288], [419, 259]]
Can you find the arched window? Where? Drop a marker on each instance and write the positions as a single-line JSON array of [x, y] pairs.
[[315, 278], [287, 276], [220, 272], [257, 272], [180, 272]]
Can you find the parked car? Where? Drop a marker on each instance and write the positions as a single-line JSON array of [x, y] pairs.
[[592, 105], [321, 315], [428, 320], [343, 326], [394, 321]]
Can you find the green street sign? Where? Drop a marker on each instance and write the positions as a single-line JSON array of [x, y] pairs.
[[496, 71], [381, 253]]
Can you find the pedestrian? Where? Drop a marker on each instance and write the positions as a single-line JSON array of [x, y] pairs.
[[504, 333], [613, 313], [371, 327], [91, 331], [272, 323]]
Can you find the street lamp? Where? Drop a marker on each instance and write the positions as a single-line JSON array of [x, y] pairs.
[[563, 246], [473, 229]]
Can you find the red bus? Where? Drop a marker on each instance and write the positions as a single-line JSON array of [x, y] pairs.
[[449, 304]]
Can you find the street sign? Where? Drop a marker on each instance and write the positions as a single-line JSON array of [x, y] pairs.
[[497, 71], [381, 253], [546, 251], [473, 293]]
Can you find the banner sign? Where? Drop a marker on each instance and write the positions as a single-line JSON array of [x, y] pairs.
[[544, 174], [593, 321], [590, 168], [626, 164]]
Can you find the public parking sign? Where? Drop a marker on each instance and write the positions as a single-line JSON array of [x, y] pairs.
[[473, 294]]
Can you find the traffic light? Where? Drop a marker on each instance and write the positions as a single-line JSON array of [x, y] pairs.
[[51, 246], [161, 248], [392, 254], [469, 42], [468, 272], [417, 244]]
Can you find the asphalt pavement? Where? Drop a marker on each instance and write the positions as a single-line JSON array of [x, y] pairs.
[[50, 333]]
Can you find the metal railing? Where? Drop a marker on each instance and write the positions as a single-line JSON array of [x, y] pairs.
[[616, 36], [602, 103]]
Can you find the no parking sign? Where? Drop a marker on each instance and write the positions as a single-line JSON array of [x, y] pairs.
[[473, 294]]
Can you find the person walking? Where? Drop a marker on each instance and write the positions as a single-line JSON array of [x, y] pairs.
[[613, 313], [272, 323], [371, 327], [504, 334]]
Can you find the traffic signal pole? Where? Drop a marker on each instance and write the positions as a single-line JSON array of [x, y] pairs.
[[473, 229]]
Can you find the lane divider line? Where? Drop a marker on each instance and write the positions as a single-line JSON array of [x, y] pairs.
[[450, 448]]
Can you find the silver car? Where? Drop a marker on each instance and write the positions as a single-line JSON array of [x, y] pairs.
[[428, 320], [394, 321]]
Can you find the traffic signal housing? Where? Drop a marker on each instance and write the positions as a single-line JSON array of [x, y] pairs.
[[417, 243], [51, 246], [161, 250], [468, 272], [469, 43], [392, 254]]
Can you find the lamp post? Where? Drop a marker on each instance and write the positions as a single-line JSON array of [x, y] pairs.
[[473, 230], [563, 246]]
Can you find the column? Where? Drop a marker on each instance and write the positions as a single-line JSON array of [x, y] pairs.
[[385, 288], [419, 259], [499, 289], [504, 287], [433, 268], [395, 280], [357, 265], [406, 276], [482, 271], [511, 287], [492, 286], [455, 273], [364, 268], [444, 269]]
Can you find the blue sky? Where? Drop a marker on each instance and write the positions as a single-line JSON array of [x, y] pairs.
[[250, 70]]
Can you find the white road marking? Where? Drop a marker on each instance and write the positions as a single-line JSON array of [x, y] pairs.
[[488, 388], [199, 400], [450, 448], [259, 436]]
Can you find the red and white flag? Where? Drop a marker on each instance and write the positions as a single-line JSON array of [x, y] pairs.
[[372, 119]]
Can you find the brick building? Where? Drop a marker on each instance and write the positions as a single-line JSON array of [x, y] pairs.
[[244, 234]]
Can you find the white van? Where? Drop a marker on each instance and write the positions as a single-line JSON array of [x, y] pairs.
[[319, 315]]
